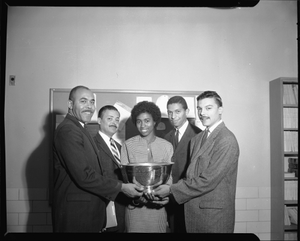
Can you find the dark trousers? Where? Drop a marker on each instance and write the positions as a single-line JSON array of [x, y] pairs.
[[176, 218]]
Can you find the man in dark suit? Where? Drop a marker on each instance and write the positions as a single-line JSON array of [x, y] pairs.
[[108, 119], [177, 113], [208, 191], [81, 190]]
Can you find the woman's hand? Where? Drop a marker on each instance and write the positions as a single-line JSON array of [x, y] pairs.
[[161, 202], [139, 201]]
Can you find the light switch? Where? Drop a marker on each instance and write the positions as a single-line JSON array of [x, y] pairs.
[[12, 80]]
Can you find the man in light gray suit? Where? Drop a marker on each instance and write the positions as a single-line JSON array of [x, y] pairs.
[[208, 191]]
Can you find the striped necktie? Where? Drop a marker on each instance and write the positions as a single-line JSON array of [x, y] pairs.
[[114, 150]]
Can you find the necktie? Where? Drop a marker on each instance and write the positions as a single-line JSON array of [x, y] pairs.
[[114, 150], [175, 139], [204, 136]]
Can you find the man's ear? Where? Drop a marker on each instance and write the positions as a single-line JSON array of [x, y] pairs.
[[220, 110], [70, 104], [187, 111]]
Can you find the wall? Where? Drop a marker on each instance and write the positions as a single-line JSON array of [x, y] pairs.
[[233, 51]]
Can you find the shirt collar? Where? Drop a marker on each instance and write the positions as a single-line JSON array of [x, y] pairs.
[[183, 128], [210, 129], [105, 137]]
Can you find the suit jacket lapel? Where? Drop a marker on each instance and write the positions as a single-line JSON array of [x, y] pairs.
[[76, 122], [182, 140], [105, 148], [208, 142], [185, 138]]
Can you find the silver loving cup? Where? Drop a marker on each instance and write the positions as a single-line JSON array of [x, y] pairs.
[[147, 174]]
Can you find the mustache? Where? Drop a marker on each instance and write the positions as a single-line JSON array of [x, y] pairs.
[[89, 111]]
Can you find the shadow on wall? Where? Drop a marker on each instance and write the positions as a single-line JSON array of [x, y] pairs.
[[39, 176]]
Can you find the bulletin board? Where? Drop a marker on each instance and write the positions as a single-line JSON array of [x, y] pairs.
[[124, 100]]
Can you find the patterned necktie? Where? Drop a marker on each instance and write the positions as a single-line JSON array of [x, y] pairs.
[[204, 137], [175, 139], [114, 150]]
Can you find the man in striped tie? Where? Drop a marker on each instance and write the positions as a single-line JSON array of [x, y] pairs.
[[109, 150]]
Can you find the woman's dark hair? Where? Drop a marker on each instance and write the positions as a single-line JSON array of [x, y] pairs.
[[146, 107]]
